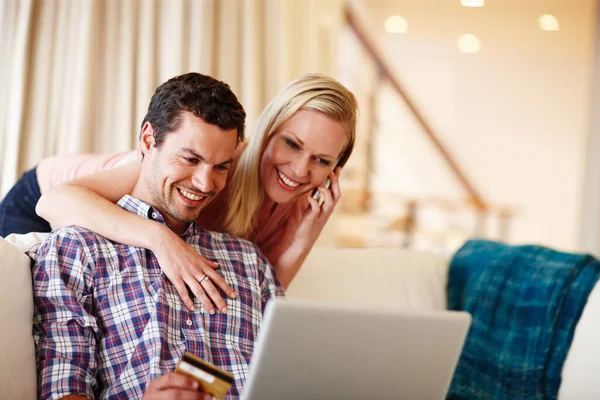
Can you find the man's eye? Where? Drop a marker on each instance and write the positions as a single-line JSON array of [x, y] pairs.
[[191, 160], [222, 167], [291, 144]]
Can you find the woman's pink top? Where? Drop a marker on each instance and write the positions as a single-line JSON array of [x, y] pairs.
[[267, 236]]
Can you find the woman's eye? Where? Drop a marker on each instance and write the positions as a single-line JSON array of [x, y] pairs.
[[324, 162], [291, 144]]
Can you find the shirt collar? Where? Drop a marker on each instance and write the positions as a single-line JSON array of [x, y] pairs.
[[143, 209]]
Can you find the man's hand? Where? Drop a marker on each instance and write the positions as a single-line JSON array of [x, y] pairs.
[[174, 386]]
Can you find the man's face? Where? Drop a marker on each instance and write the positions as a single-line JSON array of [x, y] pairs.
[[188, 170]]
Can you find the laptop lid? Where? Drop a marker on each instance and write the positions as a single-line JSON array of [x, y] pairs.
[[308, 350]]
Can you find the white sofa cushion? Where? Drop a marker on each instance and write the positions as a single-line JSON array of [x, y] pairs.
[[17, 350], [379, 277]]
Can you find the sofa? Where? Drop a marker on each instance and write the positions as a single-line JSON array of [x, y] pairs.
[[381, 278]]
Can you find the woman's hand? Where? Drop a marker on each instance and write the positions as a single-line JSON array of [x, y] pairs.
[[185, 268], [307, 223], [303, 228]]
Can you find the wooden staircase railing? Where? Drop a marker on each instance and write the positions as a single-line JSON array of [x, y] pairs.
[[385, 72]]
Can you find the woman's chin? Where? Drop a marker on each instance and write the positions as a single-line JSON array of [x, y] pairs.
[[281, 196]]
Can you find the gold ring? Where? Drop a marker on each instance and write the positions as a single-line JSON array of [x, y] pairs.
[[203, 278]]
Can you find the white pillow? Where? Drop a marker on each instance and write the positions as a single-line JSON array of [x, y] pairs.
[[27, 242], [18, 378]]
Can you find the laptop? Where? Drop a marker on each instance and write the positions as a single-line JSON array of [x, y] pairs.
[[307, 350]]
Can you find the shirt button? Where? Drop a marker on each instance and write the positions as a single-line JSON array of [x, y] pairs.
[[189, 322], [154, 215]]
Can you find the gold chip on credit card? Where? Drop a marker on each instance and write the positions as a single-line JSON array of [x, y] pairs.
[[212, 379]]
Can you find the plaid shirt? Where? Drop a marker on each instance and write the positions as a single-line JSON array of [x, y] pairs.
[[107, 321]]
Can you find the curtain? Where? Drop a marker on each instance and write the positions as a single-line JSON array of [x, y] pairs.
[[77, 75]]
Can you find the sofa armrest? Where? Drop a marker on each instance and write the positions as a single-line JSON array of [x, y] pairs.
[[17, 369], [582, 366]]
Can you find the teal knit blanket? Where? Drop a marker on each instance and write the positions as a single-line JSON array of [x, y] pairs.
[[525, 302]]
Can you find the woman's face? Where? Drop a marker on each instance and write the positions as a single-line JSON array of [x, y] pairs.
[[300, 155]]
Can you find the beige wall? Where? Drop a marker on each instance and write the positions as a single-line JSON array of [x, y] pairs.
[[515, 116]]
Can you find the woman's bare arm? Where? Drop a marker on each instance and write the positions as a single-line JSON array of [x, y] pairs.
[[89, 202]]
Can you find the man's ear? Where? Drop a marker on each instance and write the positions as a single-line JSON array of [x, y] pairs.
[[146, 138]]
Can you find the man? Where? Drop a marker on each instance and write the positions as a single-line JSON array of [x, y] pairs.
[[107, 323]]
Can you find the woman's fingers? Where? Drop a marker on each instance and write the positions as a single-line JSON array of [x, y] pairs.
[[184, 267], [182, 289], [335, 185], [202, 284], [213, 294], [220, 282], [315, 209], [200, 294], [331, 195], [328, 201]]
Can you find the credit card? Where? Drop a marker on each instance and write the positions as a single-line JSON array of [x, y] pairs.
[[212, 379]]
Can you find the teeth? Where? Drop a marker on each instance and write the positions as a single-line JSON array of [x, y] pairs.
[[286, 180], [190, 195]]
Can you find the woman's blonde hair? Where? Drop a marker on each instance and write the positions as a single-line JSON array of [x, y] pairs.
[[309, 92]]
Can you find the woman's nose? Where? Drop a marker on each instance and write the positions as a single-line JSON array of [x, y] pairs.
[[301, 167]]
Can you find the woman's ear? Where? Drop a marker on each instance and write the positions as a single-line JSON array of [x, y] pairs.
[[146, 138]]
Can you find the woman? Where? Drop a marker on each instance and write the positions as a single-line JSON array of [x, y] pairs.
[[305, 135]]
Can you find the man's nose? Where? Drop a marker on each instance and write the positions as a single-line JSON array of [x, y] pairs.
[[203, 178]]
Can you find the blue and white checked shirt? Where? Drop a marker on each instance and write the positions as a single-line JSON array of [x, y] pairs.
[[107, 321]]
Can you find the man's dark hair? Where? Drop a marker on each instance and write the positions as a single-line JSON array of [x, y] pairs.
[[205, 97]]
